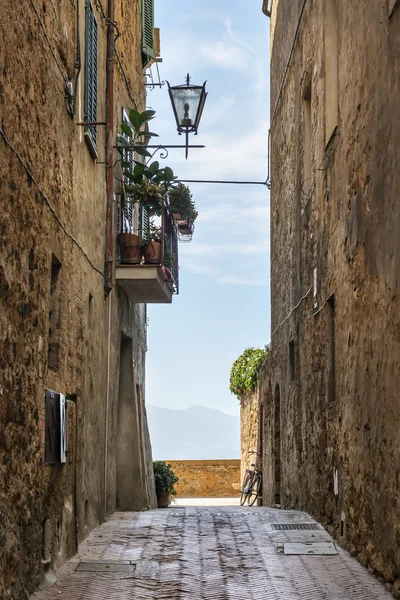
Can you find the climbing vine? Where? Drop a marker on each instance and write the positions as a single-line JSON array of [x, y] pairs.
[[244, 372]]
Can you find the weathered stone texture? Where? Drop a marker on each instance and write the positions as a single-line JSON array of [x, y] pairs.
[[249, 429], [34, 225], [339, 410], [206, 478]]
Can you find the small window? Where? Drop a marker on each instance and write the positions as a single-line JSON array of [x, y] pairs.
[[90, 107], [331, 351], [54, 346], [292, 361], [331, 69], [307, 144], [55, 428], [148, 51]]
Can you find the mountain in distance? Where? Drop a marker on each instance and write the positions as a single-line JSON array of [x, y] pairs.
[[195, 433]]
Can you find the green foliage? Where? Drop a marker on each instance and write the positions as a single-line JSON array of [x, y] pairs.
[[181, 202], [164, 477], [244, 372], [134, 134], [150, 195]]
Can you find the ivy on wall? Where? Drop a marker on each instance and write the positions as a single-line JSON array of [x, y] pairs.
[[244, 372]]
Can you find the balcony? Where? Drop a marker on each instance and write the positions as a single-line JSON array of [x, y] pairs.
[[148, 272]]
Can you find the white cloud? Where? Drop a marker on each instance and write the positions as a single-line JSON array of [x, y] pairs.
[[231, 276], [225, 55], [217, 249]]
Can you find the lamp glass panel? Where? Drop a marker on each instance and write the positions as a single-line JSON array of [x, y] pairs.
[[186, 105]]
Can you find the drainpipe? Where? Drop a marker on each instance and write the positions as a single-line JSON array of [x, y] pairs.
[[109, 258], [265, 9], [107, 406]]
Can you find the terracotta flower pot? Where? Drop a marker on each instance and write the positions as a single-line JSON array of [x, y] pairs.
[[130, 246], [163, 499], [152, 253]]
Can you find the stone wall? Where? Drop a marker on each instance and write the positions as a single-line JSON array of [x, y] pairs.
[[52, 250], [207, 478], [331, 434], [249, 430]]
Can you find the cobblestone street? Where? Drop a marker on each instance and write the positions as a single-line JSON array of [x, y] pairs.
[[209, 552]]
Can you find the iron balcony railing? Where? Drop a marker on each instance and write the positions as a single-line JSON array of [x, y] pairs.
[[134, 219]]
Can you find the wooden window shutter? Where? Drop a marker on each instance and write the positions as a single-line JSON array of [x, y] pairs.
[[55, 428], [52, 428], [90, 101], [148, 51], [144, 221]]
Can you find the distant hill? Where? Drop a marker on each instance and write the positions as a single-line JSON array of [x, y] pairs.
[[195, 433]]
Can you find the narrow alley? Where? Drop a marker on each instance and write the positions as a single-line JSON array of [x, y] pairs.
[[211, 552]]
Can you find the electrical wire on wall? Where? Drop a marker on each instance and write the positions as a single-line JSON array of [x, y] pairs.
[[69, 86], [47, 201]]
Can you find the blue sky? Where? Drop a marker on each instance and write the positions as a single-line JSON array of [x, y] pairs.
[[223, 305]]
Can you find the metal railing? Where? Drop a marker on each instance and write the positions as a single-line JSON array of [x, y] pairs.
[[133, 219]]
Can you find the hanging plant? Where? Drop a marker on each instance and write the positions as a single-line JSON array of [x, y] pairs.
[[181, 202], [244, 372]]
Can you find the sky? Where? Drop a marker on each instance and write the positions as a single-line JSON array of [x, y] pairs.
[[223, 304]]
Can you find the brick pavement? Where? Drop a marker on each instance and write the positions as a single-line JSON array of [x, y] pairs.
[[209, 553]]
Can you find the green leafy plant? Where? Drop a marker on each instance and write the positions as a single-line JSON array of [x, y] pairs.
[[150, 195], [134, 134], [181, 202], [152, 233], [164, 477], [169, 257], [244, 372]]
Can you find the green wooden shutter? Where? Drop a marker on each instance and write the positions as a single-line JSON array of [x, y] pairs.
[[148, 51], [144, 221], [90, 103]]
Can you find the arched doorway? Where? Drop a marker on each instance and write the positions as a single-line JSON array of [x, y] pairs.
[[277, 444]]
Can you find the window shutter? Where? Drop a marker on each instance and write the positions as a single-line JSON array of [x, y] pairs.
[[55, 428], [147, 31], [144, 220], [90, 103], [128, 207], [52, 427]]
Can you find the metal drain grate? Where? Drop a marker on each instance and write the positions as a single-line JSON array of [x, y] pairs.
[[110, 566], [295, 526]]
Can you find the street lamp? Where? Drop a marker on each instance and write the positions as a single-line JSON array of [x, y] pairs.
[[187, 103]]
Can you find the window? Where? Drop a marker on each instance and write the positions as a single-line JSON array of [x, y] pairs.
[[54, 315], [292, 360], [331, 68], [55, 428], [307, 143], [148, 51], [331, 368], [90, 105]]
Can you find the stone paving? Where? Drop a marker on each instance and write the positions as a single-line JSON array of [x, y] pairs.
[[209, 553]]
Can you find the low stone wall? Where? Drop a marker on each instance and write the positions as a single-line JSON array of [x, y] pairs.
[[207, 478]]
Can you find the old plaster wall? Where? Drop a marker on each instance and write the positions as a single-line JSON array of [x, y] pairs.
[[207, 478], [65, 220], [334, 363]]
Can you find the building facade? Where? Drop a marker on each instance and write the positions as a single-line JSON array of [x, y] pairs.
[[331, 414], [74, 442]]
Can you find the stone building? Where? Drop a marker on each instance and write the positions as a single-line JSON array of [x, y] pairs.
[[74, 442], [331, 439]]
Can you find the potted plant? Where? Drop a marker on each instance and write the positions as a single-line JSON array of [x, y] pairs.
[[165, 479], [182, 208], [152, 245], [130, 244], [150, 195]]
